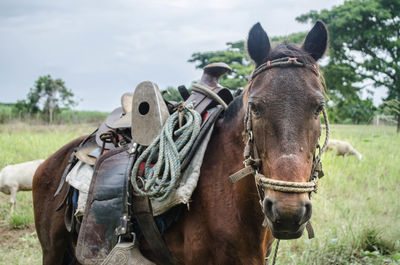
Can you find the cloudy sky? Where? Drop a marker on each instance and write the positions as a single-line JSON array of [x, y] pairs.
[[102, 49]]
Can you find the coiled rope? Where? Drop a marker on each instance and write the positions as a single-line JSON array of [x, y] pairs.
[[166, 154]]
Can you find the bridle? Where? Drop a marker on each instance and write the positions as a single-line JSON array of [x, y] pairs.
[[252, 161]]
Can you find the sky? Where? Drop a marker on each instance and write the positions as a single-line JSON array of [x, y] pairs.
[[102, 49]]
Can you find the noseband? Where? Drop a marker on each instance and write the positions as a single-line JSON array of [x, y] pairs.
[[252, 159]]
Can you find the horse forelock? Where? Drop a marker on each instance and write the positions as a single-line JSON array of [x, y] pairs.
[[292, 50]]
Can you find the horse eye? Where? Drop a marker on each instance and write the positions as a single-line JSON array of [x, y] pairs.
[[255, 110], [319, 109]]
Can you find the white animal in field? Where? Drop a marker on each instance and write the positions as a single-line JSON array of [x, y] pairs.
[[17, 177], [343, 148]]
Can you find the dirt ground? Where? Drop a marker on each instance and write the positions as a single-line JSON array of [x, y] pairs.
[[11, 237], [19, 246]]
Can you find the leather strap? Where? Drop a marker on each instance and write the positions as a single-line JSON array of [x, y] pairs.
[[244, 172], [125, 229], [65, 198], [310, 230], [214, 115], [71, 163], [143, 213], [184, 92]]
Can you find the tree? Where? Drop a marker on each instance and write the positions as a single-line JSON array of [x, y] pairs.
[[297, 38], [391, 106], [235, 56], [344, 96], [47, 95], [353, 111], [172, 94], [364, 35]]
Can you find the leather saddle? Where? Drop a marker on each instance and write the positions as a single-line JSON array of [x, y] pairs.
[[108, 217]]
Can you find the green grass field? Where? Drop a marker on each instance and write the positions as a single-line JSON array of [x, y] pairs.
[[356, 213], [19, 143]]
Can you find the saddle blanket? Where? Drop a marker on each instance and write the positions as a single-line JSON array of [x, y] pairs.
[[80, 177]]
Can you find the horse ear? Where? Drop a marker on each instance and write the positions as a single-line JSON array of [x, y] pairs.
[[258, 45], [317, 40]]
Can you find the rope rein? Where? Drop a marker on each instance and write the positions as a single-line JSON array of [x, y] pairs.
[[276, 252], [166, 153]]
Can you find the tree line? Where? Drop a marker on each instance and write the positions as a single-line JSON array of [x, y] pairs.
[[46, 98]]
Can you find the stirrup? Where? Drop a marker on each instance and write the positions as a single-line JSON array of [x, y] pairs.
[[126, 253]]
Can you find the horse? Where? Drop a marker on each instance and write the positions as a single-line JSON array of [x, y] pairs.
[[278, 119]]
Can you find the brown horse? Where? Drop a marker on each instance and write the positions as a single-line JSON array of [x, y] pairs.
[[224, 223]]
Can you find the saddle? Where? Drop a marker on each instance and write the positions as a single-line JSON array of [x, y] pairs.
[[114, 221]]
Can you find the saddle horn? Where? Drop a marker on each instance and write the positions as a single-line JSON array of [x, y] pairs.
[[210, 79], [212, 72]]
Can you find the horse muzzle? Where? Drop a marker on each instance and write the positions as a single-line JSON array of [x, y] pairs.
[[288, 215]]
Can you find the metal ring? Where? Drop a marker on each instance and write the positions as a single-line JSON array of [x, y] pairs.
[[250, 136]]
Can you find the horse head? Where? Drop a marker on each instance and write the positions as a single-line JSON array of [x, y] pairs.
[[283, 102]]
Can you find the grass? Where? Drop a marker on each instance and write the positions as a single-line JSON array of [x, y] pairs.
[[18, 143], [355, 213], [20, 219]]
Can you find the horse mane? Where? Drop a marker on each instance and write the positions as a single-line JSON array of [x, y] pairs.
[[233, 108]]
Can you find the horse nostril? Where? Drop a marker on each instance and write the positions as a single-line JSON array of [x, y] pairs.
[[307, 213], [308, 206], [268, 208]]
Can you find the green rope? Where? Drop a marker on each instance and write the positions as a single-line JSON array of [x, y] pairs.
[[166, 154]]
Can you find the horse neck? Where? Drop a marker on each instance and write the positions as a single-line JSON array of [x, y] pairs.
[[231, 208]]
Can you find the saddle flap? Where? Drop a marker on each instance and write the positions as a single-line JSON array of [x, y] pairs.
[[105, 205], [149, 113]]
